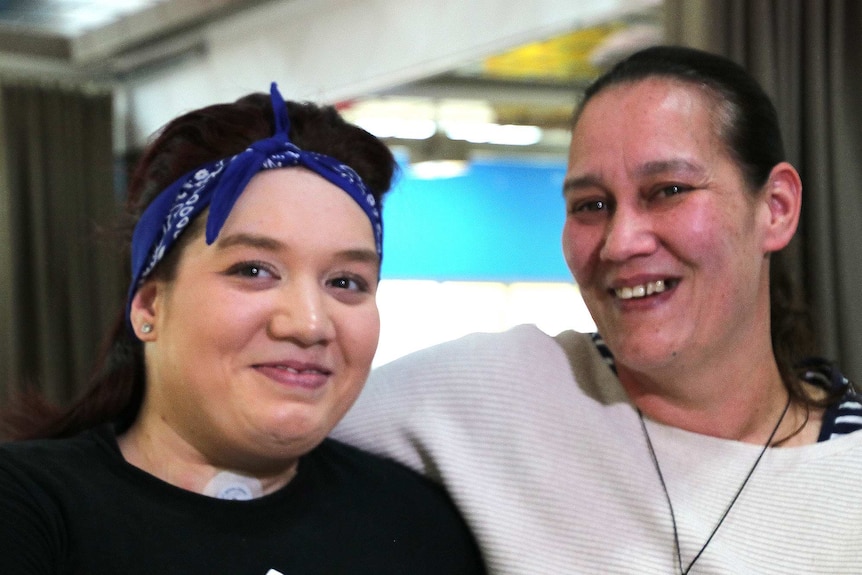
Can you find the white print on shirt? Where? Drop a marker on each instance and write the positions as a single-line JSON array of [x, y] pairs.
[[274, 572]]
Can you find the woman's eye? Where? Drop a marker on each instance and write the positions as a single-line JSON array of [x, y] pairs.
[[349, 283], [589, 207], [673, 190], [251, 270], [595, 206]]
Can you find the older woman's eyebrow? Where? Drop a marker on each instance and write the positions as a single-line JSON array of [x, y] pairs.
[[673, 166], [580, 182]]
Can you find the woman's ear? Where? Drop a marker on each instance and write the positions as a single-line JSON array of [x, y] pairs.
[[783, 197], [143, 311]]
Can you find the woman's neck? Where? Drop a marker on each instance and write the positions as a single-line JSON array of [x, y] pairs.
[[163, 453], [724, 401]]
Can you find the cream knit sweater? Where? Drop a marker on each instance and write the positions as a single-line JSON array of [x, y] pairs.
[[542, 451]]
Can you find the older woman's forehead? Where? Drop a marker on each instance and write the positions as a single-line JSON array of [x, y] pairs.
[[644, 111]]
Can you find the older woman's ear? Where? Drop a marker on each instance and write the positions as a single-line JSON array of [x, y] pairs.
[[783, 197]]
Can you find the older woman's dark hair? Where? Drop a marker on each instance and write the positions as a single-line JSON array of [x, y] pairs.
[[117, 386], [746, 121]]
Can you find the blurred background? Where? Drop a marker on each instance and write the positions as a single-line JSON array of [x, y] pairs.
[[474, 96]]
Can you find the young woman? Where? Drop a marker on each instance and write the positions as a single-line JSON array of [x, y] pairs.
[[249, 331]]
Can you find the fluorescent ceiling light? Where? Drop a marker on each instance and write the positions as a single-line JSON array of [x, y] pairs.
[[418, 119], [78, 16], [437, 169], [505, 135], [407, 129]]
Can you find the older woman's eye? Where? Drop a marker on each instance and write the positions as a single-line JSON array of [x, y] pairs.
[[588, 206], [673, 190], [590, 210]]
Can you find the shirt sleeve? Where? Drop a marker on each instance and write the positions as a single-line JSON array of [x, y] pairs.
[[384, 417]]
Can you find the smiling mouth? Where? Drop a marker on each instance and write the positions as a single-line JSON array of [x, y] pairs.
[[296, 376], [299, 371], [644, 290]]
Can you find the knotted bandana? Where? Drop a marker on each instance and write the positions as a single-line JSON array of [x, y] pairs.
[[218, 185]]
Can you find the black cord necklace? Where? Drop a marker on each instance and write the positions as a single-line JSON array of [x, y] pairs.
[[732, 501]]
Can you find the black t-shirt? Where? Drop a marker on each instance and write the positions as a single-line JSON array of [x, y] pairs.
[[76, 506]]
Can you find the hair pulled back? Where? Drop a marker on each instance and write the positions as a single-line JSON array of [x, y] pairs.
[[746, 122]]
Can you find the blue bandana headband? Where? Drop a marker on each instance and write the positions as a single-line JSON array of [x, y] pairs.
[[218, 185]]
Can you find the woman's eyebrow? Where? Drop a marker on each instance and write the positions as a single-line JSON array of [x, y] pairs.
[[580, 182], [249, 240], [358, 255], [271, 244], [676, 166], [651, 168]]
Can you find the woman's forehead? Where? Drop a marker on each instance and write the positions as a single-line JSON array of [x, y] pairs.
[[642, 115], [292, 204]]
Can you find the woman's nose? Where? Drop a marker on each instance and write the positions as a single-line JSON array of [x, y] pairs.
[[629, 233], [302, 313]]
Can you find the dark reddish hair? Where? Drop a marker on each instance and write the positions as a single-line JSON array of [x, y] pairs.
[[117, 385]]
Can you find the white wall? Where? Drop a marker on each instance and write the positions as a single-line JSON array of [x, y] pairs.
[[415, 314], [332, 50]]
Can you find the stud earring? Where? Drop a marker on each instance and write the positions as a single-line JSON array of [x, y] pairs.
[[146, 328]]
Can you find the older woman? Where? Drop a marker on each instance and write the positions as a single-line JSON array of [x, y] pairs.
[[249, 330], [688, 437]]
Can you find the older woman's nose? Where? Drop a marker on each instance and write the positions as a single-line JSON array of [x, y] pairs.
[[629, 233]]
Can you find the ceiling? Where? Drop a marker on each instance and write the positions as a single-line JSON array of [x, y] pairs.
[[533, 85], [96, 39], [68, 17]]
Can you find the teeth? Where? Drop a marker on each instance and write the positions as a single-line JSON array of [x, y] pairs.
[[642, 290], [294, 370]]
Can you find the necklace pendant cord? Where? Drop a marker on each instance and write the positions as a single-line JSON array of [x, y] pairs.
[[685, 571]]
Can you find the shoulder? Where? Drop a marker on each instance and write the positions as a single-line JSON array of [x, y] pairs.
[[520, 348], [369, 502], [42, 483], [51, 454], [456, 376], [843, 415], [376, 487], [453, 400], [367, 471], [53, 470], [452, 380]]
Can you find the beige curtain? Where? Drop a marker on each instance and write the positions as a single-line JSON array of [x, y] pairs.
[[807, 54], [59, 283]]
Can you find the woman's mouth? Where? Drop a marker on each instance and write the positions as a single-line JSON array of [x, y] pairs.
[[306, 376], [295, 370], [645, 289]]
